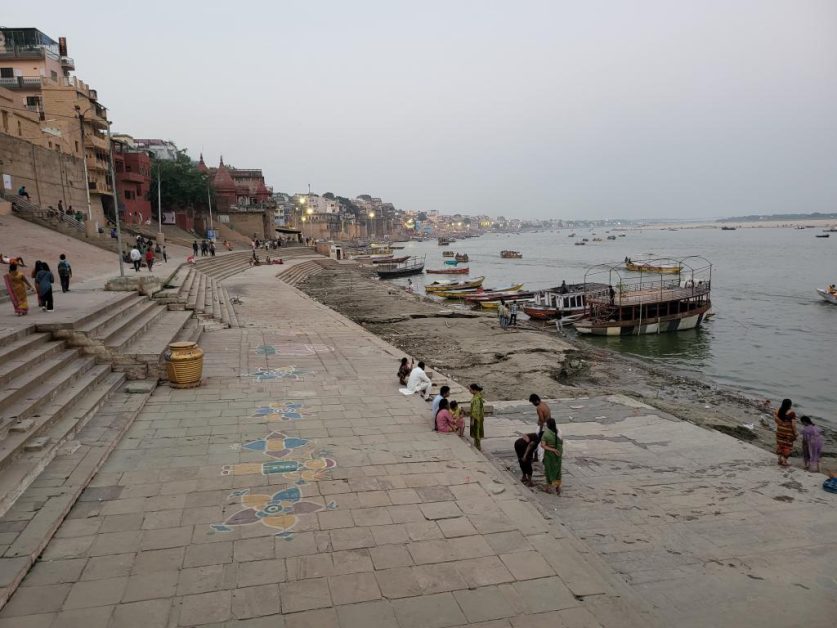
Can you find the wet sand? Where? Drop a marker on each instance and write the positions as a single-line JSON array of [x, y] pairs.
[[471, 347]]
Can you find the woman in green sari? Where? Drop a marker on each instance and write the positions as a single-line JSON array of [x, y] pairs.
[[553, 450], [477, 414]]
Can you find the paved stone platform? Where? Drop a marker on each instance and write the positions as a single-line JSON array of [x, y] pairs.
[[704, 527], [298, 488]]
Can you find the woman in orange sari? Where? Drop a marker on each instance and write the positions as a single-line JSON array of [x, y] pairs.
[[17, 285], [785, 431]]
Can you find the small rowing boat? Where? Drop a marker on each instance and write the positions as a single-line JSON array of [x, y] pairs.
[[493, 305], [389, 259], [448, 253], [540, 312], [496, 295], [470, 292], [511, 254], [828, 294], [448, 286], [448, 271], [464, 257]]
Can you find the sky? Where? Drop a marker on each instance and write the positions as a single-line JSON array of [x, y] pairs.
[[528, 109]]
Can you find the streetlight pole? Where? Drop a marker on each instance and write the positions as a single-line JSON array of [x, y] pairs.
[[209, 202], [84, 163], [161, 238], [115, 206]]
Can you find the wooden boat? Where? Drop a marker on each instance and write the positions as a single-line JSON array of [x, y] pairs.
[[442, 241], [649, 267], [447, 253], [469, 292], [496, 295], [464, 257], [822, 235], [728, 228], [580, 243], [448, 271], [572, 235], [828, 294], [439, 286], [643, 306], [451, 262], [390, 260], [568, 300], [493, 305], [540, 312], [511, 254], [412, 266], [611, 237]]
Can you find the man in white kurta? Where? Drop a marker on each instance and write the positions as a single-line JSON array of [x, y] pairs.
[[419, 382]]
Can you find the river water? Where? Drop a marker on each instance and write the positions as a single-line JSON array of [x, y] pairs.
[[771, 336]]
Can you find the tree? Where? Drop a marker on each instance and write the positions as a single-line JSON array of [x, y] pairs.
[[348, 205], [182, 184], [329, 196], [422, 216]]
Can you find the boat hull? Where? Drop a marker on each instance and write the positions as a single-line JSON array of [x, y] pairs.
[[472, 284], [826, 296], [634, 328], [448, 271], [541, 313], [651, 268]]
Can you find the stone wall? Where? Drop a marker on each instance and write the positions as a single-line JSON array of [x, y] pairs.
[[248, 223], [47, 174]]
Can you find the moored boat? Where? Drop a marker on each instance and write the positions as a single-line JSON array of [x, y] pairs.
[[494, 304], [439, 286], [412, 266], [567, 300], [822, 235], [464, 270], [443, 241], [447, 253], [611, 237], [540, 312], [652, 266], [649, 305], [511, 254], [389, 259], [496, 295], [462, 257]]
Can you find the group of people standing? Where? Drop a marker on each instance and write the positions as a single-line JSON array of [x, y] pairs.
[[18, 285], [145, 250], [507, 314], [446, 413], [550, 440], [206, 247], [787, 433]]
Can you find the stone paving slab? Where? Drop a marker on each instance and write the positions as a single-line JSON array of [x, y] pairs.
[[298, 487], [703, 526]]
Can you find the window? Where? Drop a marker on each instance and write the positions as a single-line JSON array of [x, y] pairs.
[[7, 72], [5, 122], [53, 75], [76, 145], [19, 129]]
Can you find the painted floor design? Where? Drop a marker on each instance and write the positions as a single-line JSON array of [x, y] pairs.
[[281, 411], [263, 374], [293, 349]]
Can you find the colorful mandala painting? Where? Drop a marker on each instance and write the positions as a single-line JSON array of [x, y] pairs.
[[277, 445], [300, 471], [276, 374], [278, 511], [284, 411], [293, 349]]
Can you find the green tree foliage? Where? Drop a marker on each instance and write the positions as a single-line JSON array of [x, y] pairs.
[[329, 196], [182, 184], [422, 216], [348, 205]]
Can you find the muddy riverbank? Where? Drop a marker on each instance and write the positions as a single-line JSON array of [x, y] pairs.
[[471, 346]]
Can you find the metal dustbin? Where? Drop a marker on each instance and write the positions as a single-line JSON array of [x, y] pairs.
[[184, 364]]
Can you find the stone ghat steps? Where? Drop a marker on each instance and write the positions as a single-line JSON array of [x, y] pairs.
[[197, 287], [50, 391], [295, 275], [131, 334]]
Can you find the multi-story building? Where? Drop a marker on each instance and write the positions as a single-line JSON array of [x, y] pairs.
[[37, 69], [133, 180], [161, 149]]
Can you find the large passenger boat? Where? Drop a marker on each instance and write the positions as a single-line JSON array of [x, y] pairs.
[[565, 302], [649, 304]]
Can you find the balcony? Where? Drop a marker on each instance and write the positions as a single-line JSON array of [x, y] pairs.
[[132, 177], [95, 141], [22, 52], [68, 63], [21, 82], [99, 186], [98, 165]]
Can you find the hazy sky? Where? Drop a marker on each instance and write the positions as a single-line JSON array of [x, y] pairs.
[[530, 109]]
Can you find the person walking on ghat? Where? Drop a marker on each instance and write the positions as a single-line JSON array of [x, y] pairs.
[[136, 258], [513, 314], [785, 431], [65, 272], [195, 248], [544, 414], [44, 280], [811, 444], [34, 274], [477, 415], [212, 248], [149, 258], [204, 248], [553, 451], [17, 286]]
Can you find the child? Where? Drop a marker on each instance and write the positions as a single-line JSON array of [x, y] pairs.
[[811, 444], [65, 272], [456, 413]]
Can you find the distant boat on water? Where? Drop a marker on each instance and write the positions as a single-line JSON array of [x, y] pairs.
[[728, 228]]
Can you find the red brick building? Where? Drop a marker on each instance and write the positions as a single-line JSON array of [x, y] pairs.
[[133, 182]]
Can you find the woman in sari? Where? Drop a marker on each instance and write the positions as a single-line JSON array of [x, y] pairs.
[[17, 284], [477, 415], [785, 431], [553, 450]]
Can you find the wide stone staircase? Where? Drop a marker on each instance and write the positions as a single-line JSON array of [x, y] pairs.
[[297, 274]]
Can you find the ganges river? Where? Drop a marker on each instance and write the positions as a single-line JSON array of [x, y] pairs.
[[771, 335]]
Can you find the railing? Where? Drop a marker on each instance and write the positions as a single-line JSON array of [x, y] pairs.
[[21, 205], [21, 82], [68, 62], [23, 52]]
